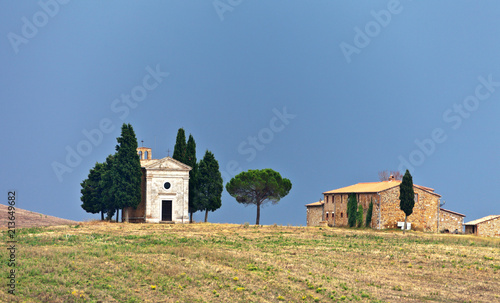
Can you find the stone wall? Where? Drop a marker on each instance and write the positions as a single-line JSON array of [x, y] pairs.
[[425, 212], [451, 222], [424, 216], [177, 193], [490, 228], [365, 199], [337, 204], [390, 213], [314, 215], [386, 210], [137, 215]]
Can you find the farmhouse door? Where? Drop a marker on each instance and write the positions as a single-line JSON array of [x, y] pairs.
[[166, 210]]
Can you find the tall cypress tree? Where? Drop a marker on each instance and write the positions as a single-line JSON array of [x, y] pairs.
[[210, 184], [352, 207], [369, 214], [106, 185], [125, 174], [180, 148], [359, 216], [406, 196], [191, 161]]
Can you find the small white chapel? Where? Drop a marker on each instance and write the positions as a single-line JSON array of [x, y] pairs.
[[164, 191]]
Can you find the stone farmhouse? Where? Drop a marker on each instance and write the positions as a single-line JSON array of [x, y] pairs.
[[427, 214], [164, 191], [450, 221], [315, 213], [488, 226]]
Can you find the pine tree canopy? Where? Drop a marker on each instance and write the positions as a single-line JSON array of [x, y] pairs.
[[258, 187]]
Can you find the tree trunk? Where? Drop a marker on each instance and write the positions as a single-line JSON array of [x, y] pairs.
[[191, 217], [102, 215], [206, 215], [117, 214], [404, 226], [257, 222]]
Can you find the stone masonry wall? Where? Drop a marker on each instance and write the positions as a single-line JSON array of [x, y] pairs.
[[387, 213], [329, 207], [424, 216], [138, 215], [340, 209], [314, 215], [489, 228], [364, 200], [337, 204], [425, 212], [450, 221]]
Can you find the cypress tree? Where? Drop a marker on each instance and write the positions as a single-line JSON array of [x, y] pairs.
[[180, 148], [125, 173], [352, 205], [369, 214], [210, 184], [191, 161], [106, 184], [406, 196], [359, 216]]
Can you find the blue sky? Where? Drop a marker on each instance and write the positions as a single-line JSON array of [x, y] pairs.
[[328, 93]]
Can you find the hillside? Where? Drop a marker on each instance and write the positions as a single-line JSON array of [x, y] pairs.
[[116, 262], [26, 218]]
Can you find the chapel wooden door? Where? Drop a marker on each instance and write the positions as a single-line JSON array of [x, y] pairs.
[[166, 210]]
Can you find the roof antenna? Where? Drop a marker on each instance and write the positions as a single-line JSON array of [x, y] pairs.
[[142, 142]]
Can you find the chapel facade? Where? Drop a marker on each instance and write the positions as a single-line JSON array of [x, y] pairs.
[[164, 191]]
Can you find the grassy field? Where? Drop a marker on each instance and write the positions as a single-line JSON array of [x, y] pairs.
[[105, 262]]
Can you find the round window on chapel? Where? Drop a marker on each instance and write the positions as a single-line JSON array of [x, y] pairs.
[[166, 185]]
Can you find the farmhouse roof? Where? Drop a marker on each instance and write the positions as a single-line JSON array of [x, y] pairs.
[[374, 187], [482, 220], [449, 211], [319, 203]]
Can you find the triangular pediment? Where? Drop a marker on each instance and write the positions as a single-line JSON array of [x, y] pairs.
[[167, 163]]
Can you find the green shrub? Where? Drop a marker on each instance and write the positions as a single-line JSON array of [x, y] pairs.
[[369, 214], [359, 216]]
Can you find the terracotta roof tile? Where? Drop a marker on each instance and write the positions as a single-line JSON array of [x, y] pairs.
[[368, 187], [374, 187], [449, 211], [319, 203], [478, 221]]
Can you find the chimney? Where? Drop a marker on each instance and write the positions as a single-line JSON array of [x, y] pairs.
[[392, 178]]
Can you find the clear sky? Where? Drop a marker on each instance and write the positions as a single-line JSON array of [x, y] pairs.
[[328, 93]]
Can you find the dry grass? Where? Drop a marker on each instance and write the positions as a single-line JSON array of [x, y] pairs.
[[110, 262], [26, 218]]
